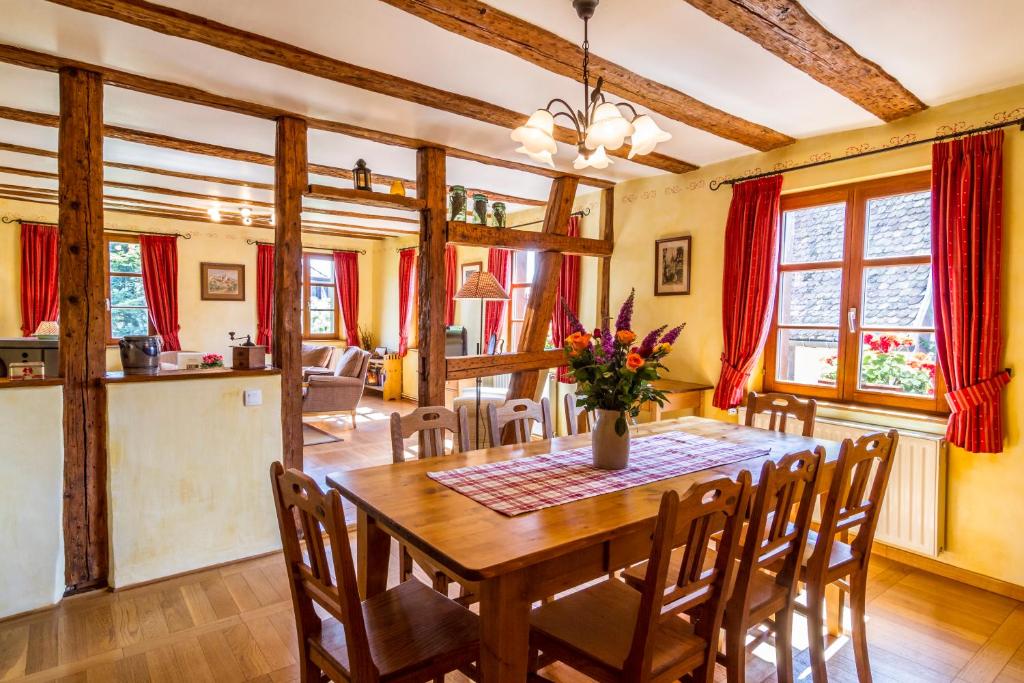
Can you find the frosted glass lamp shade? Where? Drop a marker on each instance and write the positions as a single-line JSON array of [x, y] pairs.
[[646, 136], [598, 159], [543, 157], [609, 129], [482, 285], [536, 135]]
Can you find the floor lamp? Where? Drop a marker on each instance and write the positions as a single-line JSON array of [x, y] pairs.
[[480, 286]]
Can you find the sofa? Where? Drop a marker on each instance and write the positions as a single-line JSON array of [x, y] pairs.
[[341, 390], [319, 360]]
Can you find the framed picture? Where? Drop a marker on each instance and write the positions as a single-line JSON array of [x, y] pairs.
[[470, 268], [222, 281], [672, 266]]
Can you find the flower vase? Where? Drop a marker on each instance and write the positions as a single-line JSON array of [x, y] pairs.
[[611, 450]]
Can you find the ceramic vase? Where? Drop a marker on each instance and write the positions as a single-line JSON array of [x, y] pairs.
[[611, 450]]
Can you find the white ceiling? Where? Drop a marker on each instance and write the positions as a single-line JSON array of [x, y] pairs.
[[940, 49]]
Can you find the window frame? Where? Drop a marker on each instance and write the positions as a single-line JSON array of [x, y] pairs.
[[512, 343], [847, 389], [126, 239], [307, 285]]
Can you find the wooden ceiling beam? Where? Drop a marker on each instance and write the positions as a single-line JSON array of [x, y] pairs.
[[492, 27], [787, 30], [178, 24]]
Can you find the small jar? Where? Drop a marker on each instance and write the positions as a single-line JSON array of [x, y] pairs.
[[498, 210], [480, 209], [457, 203]]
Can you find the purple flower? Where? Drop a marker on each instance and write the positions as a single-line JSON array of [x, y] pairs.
[[625, 319], [671, 336], [574, 323], [647, 345], [608, 343]]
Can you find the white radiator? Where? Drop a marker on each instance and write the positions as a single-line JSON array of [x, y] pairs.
[[914, 508]]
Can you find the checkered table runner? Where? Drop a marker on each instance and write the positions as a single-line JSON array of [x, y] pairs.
[[513, 487]]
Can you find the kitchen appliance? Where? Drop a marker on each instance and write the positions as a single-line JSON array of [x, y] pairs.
[[29, 350]]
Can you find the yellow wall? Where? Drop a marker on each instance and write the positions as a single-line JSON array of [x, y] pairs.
[[31, 472], [189, 481], [984, 500]]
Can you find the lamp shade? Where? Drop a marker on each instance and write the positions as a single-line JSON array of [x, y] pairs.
[[608, 129], [47, 328], [646, 136], [597, 159], [536, 135], [482, 285]]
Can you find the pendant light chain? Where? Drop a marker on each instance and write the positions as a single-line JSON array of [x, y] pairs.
[[586, 72]]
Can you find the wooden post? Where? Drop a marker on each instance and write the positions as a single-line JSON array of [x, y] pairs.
[[604, 265], [544, 292], [82, 326], [290, 181], [430, 186]]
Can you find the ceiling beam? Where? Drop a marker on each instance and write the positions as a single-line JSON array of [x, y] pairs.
[[492, 27], [180, 24], [787, 30]]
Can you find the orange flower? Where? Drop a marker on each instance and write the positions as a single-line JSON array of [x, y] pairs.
[[634, 361], [663, 348], [625, 337], [579, 340]]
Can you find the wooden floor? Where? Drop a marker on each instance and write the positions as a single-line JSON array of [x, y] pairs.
[[235, 624]]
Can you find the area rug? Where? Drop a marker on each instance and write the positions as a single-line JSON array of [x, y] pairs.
[[314, 436]]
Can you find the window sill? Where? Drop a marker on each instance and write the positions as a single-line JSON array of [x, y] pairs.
[[927, 423]]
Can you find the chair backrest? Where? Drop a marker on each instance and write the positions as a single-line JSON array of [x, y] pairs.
[[854, 497], [519, 415], [577, 419], [297, 496], [688, 523], [780, 407], [432, 422], [779, 521], [353, 362]]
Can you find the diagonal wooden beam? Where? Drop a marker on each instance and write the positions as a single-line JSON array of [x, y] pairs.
[[180, 24], [787, 30], [184, 93], [495, 28]]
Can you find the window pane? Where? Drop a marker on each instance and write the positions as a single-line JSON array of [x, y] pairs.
[[523, 264], [125, 257], [813, 234], [321, 322], [126, 290], [126, 321], [321, 270], [898, 296], [520, 298], [898, 362], [810, 297], [807, 356], [321, 297], [899, 225], [514, 331]]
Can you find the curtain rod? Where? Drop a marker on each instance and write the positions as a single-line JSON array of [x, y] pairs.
[[715, 184], [584, 212], [401, 249], [349, 251], [117, 231]]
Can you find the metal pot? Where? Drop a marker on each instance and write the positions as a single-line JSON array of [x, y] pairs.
[[140, 355]]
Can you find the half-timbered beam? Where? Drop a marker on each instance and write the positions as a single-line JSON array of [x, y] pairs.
[[787, 30], [474, 235], [495, 28], [430, 175], [290, 179], [604, 266], [488, 365], [82, 349], [544, 292], [173, 22]]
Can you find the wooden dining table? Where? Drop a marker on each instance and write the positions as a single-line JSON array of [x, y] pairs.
[[518, 560]]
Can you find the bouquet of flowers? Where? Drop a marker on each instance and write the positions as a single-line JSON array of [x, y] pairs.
[[611, 372], [212, 360]]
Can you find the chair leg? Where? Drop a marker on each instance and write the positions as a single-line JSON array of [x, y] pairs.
[[405, 563], [784, 644], [441, 583], [735, 652], [858, 596], [835, 598], [816, 631], [308, 671]]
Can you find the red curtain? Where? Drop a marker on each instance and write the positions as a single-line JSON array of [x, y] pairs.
[[967, 230], [160, 282], [451, 263], [346, 268], [265, 295], [406, 272], [748, 285], [499, 264], [569, 295], [39, 296]]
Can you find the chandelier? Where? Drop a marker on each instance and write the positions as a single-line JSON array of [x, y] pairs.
[[600, 125]]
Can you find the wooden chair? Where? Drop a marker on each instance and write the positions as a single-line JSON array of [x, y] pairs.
[[432, 422], [408, 633], [518, 416], [853, 503], [576, 416], [780, 407], [611, 632]]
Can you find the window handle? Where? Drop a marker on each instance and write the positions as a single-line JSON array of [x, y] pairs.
[[851, 319]]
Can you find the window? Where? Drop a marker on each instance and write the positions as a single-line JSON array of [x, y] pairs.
[[319, 299], [853, 319], [524, 267], [127, 312]]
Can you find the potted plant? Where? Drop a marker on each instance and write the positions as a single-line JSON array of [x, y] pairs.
[[212, 360], [613, 378]]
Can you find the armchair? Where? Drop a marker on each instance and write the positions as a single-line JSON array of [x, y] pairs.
[[340, 391]]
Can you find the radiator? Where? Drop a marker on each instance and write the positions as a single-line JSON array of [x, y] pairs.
[[913, 513]]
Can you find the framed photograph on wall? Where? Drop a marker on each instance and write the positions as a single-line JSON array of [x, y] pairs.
[[470, 268], [222, 281], [672, 266]]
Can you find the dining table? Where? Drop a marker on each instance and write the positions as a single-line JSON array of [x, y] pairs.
[[517, 560]]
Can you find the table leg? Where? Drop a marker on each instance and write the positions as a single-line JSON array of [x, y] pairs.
[[373, 552], [834, 602], [504, 629]]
